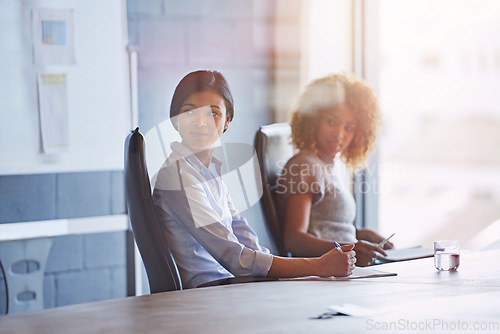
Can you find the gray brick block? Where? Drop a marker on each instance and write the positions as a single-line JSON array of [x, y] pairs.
[[141, 7], [49, 291], [117, 192], [251, 90], [83, 287], [147, 122], [27, 197], [161, 43], [83, 194], [242, 129], [233, 45], [211, 8], [118, 282], [133, 25], [104, 249], [152, 83], [176, 8], [66, 254], [156, 89]]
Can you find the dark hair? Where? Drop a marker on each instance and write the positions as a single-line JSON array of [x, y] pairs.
[[200, 81]]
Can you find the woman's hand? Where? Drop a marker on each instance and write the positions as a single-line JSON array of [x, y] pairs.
[[334, 263], [366, 253], [373, 237]]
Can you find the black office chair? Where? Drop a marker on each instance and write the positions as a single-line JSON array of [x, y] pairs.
[[160, 265], [272, 143], [161, 269]]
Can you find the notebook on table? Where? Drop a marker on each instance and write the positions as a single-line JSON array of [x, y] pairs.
[[405, 254]]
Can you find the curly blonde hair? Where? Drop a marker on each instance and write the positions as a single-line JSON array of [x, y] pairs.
[[326, 93]]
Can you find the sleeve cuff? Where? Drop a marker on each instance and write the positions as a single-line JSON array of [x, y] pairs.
[[262, 264]]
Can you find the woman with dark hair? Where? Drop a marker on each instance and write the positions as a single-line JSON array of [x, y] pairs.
[[336, 116], [207, 236], [200, 81]]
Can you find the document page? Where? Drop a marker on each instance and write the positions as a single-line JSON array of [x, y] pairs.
[[359, 272]]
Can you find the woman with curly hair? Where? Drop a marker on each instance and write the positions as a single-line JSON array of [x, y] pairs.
[[336, 116]]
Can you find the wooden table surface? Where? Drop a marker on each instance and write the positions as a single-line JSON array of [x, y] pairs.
[[419, 299]]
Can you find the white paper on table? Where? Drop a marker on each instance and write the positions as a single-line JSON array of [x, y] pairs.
[[53, 36], [358, 272], [53, 103], [355, 310]]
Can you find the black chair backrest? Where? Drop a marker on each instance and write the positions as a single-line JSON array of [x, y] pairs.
[[272, 143], [158, 261]]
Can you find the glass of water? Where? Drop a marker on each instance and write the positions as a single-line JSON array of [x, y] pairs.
[[446, 254]]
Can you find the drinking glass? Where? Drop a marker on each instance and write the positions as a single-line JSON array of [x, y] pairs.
[[446, 254]]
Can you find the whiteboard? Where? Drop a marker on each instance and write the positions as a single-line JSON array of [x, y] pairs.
[[98, 89]]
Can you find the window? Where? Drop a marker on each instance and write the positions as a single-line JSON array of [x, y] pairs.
[[439, 92]]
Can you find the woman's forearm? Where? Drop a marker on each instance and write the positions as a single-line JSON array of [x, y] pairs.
[[305, 244], [332, 263], [293, 267]]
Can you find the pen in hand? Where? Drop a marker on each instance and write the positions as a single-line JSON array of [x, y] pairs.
[[382, 243], [338, 247]]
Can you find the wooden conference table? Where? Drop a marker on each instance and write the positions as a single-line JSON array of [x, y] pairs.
[[418, 299]]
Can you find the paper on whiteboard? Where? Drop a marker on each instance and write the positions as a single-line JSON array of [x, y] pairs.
[[53, 102], [53, 36]]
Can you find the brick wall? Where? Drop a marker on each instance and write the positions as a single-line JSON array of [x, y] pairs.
[[79, 268], [84, 268]]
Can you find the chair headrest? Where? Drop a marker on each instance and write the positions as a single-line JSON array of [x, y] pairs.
[[273, 142]]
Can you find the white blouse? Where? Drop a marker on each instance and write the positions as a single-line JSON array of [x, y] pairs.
[[208, 238]]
